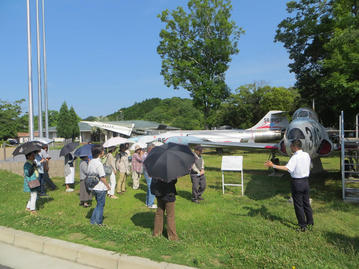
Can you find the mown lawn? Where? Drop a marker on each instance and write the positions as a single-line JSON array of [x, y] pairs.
[[224, 231]]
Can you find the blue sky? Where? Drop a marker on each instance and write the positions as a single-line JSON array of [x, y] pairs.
[[101, 55]]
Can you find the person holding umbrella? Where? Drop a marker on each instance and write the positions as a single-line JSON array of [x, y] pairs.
[[31, 174], [165, 164], [69, 170], [123, 167], [31, 182], [149, 196]]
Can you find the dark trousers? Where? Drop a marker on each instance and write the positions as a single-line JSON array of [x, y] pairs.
[[198, 186], [300, 194], [169, 208], [42, 183]]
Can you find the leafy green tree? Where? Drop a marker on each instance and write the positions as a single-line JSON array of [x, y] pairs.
[[63, 127], [10, 122], [251, 102], [196, 48], [322, 40], [74, 123]]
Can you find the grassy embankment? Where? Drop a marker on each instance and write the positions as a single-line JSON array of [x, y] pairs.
[[224, 231]]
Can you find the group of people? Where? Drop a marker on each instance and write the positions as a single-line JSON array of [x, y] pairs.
[[298, 166]]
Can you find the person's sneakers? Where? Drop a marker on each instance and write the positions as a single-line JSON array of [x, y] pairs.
[[154, 206], [43, 195], [113, 196], [195, 201], [69, 190]]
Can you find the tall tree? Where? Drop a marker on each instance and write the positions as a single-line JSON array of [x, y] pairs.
[[10, 122], [63, 127], [196, 47], [74, 123], [252, 101], [322, 40]]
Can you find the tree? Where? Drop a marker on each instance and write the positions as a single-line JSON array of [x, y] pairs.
[[63, 127], [10, 122], [322, 40], [252, 101], [74, 123], [196, 48]]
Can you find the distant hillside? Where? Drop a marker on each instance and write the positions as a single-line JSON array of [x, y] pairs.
[[174, 111]]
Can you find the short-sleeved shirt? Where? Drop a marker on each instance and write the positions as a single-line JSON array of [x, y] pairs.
[[299, 164], [95, 168]]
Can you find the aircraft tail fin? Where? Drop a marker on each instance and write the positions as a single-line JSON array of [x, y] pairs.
[[273, 120]]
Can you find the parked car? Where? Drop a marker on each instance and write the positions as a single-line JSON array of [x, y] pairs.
[[12, 141]]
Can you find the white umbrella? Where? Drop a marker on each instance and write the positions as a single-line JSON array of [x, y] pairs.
[[43, 140], [115, 141], [141, 145]]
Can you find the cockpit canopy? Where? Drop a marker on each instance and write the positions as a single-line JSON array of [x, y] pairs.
[[295, 133], [305, 113]]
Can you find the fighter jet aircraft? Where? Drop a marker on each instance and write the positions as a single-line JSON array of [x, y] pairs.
[[269, 128], [304, 126]]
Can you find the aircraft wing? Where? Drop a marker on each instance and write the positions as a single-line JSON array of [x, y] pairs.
[[268, 146]]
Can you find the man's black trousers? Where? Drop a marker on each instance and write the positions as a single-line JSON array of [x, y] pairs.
[[300, 194]]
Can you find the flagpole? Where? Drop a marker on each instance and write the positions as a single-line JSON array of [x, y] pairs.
[[45, 72], [39, 70], [31, 119]]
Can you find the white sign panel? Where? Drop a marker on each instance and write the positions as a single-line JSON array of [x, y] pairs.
[[232, 163]]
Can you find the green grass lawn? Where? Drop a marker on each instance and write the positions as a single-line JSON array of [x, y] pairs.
[[224, 231]]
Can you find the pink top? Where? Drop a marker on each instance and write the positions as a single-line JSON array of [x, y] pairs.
[[137, 163]]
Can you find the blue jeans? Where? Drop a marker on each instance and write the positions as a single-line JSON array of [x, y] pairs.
[[97, 214], [150, 198]]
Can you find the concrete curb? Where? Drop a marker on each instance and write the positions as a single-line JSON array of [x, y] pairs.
[[79, 253]]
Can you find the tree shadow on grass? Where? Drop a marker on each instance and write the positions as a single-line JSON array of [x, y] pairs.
[[185, 194], [262, 187], [141, 197], [344, 243], [264, 213], [144, 219]]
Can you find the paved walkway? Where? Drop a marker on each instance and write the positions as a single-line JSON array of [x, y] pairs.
[[19, 258], [20, 249]]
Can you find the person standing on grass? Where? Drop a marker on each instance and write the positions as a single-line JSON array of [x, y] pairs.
[[85, 194], [123, 167], [166, 197], [40, 161], [299, 168], [95, 168], [110, 161], [70, 177], [30, 173], [137, 167], [197, 176], [150, 198]]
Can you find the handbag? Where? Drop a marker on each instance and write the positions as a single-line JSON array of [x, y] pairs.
[[91, 181], [33, 183], [107, 169]]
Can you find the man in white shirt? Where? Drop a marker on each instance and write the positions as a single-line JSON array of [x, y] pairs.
[[95, 168], [299, 168]]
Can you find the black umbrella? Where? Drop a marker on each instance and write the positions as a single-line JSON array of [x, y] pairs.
[[28, 147], [68, 148], [169, 161]]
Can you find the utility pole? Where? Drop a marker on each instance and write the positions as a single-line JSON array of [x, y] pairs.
[[45, 72], [39, 70], [31, 119]]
